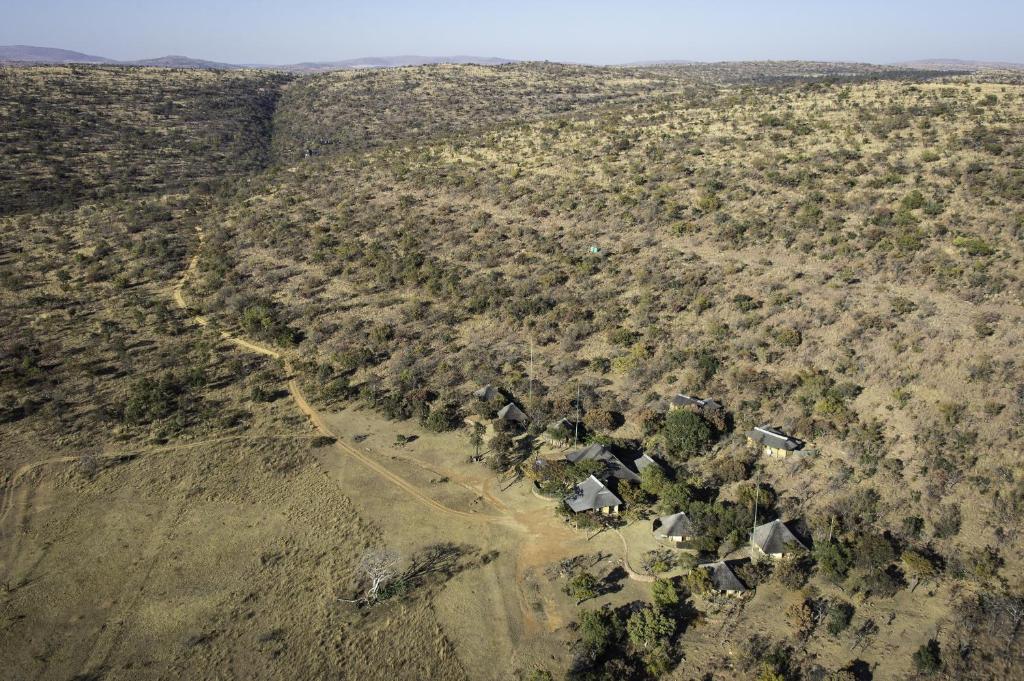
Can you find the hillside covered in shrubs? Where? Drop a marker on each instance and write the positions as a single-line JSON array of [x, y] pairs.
[[837, 250]]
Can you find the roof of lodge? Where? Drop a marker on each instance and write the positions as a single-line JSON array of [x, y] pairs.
[[487, 393], [510, 412], [591, 494], [723, 578], [773, 437], [598, 452], [775, 537], [675, 525], [686, 400]]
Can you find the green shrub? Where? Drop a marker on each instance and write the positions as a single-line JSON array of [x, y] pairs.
[[833, 559], [582, 587], [648, 627], [928, 658], [664, 594], [973, 246], [150, 400], [838, 618], [686, 434], [745, 303], [442, 417], [788, 337]]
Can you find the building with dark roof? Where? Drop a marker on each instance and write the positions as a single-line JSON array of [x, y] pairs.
[[512, 414], [643, 461], [487, 393], [773, 441], [724, 579], [676, 527], [592, 495], [614, 466], [775, 540], [695, 403], [559, 433]]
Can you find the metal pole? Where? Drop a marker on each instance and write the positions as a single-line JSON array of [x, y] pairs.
[[531, 374], [576, 434], [757, 498]]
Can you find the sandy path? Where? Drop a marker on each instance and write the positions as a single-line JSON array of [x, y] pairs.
[[317, 419], [541, 531], [321, 426], [544, 540]]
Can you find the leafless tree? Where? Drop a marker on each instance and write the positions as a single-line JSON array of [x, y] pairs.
[[380, 566], [1013, 608]]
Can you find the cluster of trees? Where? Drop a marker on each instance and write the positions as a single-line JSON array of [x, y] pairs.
[[341, 112], [92, 133], [631, 643], [154, 399]]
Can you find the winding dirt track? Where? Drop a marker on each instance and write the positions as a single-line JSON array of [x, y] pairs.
[[543, 540], [506, 516], [318, 421]]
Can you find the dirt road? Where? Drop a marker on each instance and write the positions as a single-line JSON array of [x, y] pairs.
[[542, 539]]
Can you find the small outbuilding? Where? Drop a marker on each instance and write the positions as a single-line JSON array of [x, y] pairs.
[[680, 401], [773, 442], [676, 527], [510, 413], [592, 495], [697, 404], [711, 410], [487, 393], [775, 540], [724, 579]]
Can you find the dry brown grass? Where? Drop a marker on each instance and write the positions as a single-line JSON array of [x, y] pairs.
[[760, 248]]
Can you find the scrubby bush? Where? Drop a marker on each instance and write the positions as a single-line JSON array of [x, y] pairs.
[[928, 658], [838, 617], [686, 434], [582, 587], [793, 570]]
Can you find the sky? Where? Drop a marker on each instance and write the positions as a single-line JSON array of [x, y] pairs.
[[594, 31]]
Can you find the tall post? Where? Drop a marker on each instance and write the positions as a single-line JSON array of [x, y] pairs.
[[757, 498], [576, 433], [531, 375]]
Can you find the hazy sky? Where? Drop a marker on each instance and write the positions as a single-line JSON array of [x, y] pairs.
[[595, 31]]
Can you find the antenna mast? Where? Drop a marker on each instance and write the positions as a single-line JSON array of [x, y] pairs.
[[757, 498], [531, 375], [576, 433]]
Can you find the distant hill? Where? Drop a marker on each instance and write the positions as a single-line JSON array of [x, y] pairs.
[[175, 61], [392, 62], [29, 54], [661, 62], [47, 55], [962, 65]]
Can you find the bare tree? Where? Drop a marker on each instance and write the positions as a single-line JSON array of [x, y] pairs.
[[1013, 607], [380, 566]]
